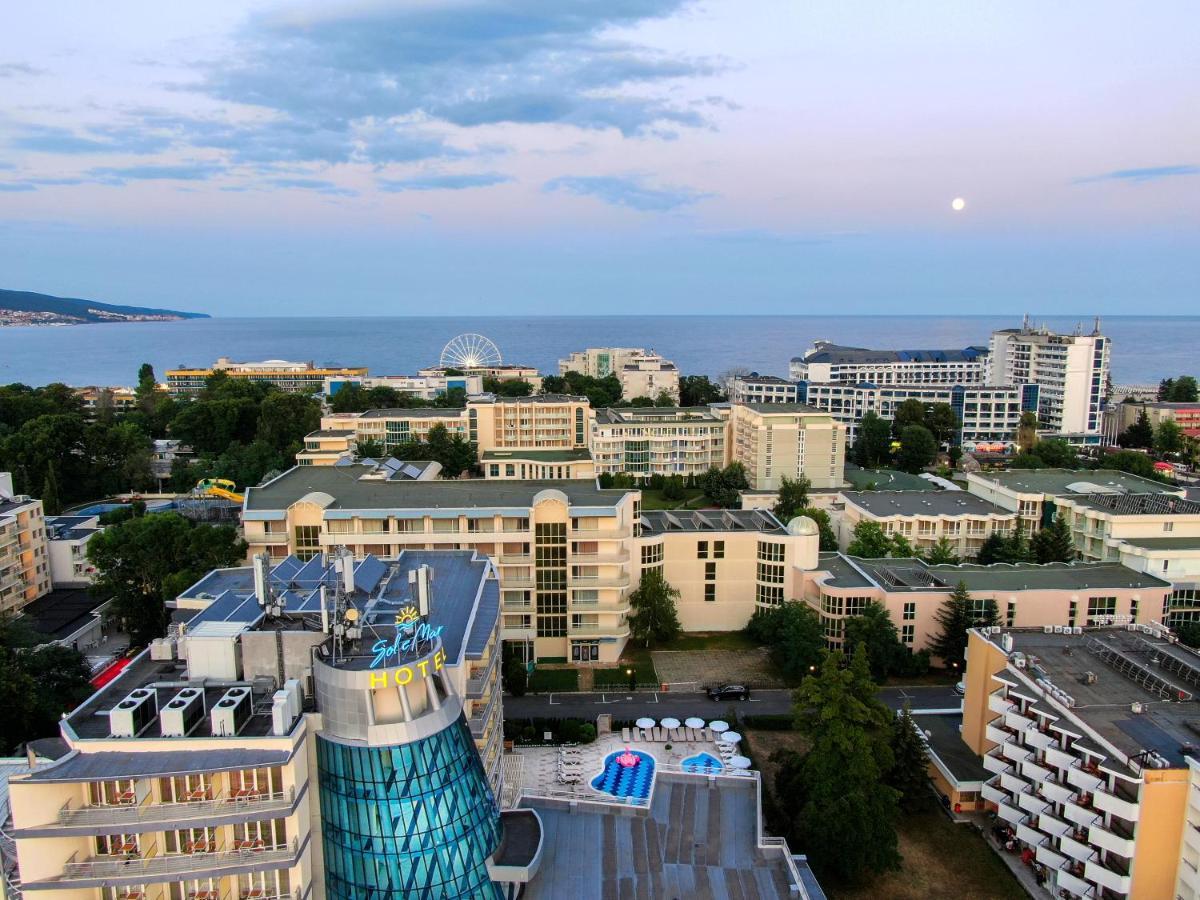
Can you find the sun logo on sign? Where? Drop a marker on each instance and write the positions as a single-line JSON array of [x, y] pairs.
[[406, 616]]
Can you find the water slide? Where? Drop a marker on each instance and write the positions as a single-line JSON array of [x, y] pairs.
[[218, 487]]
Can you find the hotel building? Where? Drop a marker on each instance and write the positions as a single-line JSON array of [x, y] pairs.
[[828, 362], [988, 415], [774, 440], [568, 553], [1072, 371], [1055, 595], [24, 556], [654, 441], [923, 518], [1119, 416], [114, 399], [755, 388], [67, 538], [504, 372], [293, 377], [538, 465], [641, 373], [1087, 736], [427, 387], [313, 729]]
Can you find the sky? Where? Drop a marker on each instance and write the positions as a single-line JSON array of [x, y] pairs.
[[408, 157]]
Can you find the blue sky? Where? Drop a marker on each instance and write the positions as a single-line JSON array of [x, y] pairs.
[[526, 156]]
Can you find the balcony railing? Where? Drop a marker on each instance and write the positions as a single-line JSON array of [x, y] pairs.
[[155, 868], [120, 815]]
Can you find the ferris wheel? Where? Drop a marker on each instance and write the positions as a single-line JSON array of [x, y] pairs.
[[470, 351]]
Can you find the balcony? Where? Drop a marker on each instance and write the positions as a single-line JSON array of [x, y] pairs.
[[1059, 758], [122, 817], [1055, 793], [993, 794], [600, 558], [1016, 753], [1039, 739], [1046, 855], [479, 682], [1017, 722], [1035, 771], [1076, 886], [1075, 848], [1083, 778], [1080, 815], [1032, 803], [600, 533], [515, 559], [999, 704], [1052, 825], [1116, 805], [1106, 877], [509, 581], [1030, 836], [1010, 813], [159, 868], [997, 765], [1111, 840], [618, 630], [1014, 784], [614, 581]]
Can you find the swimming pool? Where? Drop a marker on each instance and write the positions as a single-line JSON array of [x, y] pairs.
[[702, 764], [626, 781]]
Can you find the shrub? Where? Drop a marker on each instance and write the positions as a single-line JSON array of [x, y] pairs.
[[587, 733]]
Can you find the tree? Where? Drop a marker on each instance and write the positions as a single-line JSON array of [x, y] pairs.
[[917, 449], [991, 549], [829, 542], [1057, 453], [1027, 431], [664, 399], [874, 630], [1054, 542], [284, 420], [1183, 390], [514, 674], [370, 449], [51, 504], [941, 553], [1164, 389], [1139, 435], [793, 635], [1016, 548], [958, 615], [792, 499], [872, 442], [143, 560], [146, 391], [673, 488], [1132, 462], [1026, 461], [841, 779], [910, 412], [509, 387], [653, 617], [1188, 633], [455, 453], [942, 421], [698, 390], [870, 541], [902, 547], [37, 684], [1168, 437], [723, 486], [909, 773]]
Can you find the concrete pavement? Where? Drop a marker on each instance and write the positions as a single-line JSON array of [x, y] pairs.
[[624, 705]]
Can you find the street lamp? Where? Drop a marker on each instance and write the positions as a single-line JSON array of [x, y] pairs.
[[632, 679]]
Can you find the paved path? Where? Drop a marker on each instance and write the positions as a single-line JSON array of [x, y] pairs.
[[623, 705]]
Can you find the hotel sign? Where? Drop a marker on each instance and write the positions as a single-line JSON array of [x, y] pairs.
[[411, 633]]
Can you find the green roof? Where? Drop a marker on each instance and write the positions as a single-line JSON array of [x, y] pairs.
[[1069, 481], [886, 480], [537, 455]]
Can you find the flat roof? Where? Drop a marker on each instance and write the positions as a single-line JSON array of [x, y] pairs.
[[531, 398], [943, 734], [1105, 703], [640, 414], [1068, 481], [834, 353], [886, 479], [331, 433], [62, 612], [785, 408], [695, 841], [416, 412], [666, 521], [349, 493], [1171, 543], [1157, 504], [923, 503], [538, 455]]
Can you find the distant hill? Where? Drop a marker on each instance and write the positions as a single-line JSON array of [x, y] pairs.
[[65, 310]]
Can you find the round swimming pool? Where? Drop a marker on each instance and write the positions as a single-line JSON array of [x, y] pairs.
[[626, 781], [702, 764]]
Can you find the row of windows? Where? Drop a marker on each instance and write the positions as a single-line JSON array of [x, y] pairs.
[[718, 550]]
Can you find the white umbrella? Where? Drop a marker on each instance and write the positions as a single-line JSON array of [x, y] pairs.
[[740, 762], [730, 737], [645, 722], [718, 725], [670, 723], [694, 722]]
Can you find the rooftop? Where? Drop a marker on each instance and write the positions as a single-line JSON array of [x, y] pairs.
[[1129, 667], [755, 378], [420, 412], [71, 528], [662, 521], [696, 841], [923, 503], [646, 414], [331, 433], [1074, 481], [780, 409], [886, 480], [943, 734], [62, 612], [833, 353], [537, 455], [1165, 543], [1157, 504], [532, 398], [342, 489]]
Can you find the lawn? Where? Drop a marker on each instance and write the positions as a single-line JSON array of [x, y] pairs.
[[547, 680], [638, 657], [693, 498]]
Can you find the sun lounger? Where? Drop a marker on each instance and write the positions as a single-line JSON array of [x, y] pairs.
[[625, 735], [708, 735]]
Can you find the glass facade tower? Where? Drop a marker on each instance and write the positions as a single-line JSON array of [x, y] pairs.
[[415, 820]]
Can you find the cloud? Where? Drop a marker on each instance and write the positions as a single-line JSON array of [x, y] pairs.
[[107, 139], [197, 171], [1138, 175], [14, 186], [627, 191], [19, 70], [443, 182], [320, 185]]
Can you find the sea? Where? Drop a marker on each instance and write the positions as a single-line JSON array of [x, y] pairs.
[[1145, 349]]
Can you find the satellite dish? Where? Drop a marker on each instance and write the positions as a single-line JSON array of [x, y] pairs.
[[351, 614]]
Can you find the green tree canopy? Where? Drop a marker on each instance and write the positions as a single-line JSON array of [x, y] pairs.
[[941, 553], [724, 485], [874, 630], [958, 614], [872, 442], [698, 390], [1168, 437], [911, 412], [455, 453], [829, 541], [909, 773], [143, 560], [507, 387], [870, 541], [792, 499], [793, 635], [1054, 543], [1056, 453], [1139, 435], [942, 421], [653, 618], [37, 684], [1132, 462], [918, 449]]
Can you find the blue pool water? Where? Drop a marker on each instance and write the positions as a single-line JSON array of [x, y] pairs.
[[702, 763], [100, 508], [623, 782]]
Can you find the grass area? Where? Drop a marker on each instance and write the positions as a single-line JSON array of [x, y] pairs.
[[693, 498], [932, 677], [643, 672], [942, 861], [546, 680], [711, 640], [638, 657]]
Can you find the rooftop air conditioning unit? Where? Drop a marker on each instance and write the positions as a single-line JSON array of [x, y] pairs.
[[133, 715], [1047, 629], [162, 649], [281, 720], [182, 713], [1137, 708], [231, 712]]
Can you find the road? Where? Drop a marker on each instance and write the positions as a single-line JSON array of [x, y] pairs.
[[646, 703]]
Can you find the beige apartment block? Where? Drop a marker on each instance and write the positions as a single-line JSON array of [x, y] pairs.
[[923, 518], [540, 422], [1027, 595], [1083, 738], [327, 447], [24, 553], [392, 427], [538, 465], [294, 377], [777, 440], [650, 441], [504, 372], [642, 373]]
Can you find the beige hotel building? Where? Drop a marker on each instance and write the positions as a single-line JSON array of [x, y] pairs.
[[24, 553]]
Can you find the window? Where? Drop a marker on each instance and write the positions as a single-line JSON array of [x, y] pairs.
[[494, 470], [710, 592], [551, 626], [770, 552], [908, 633], [718, 549], [585, 651], [1133, 609], [1099, 607], [771, 574], [509, 470], [652, 554], [1168, 526], [910, 611], [308, 541], [710, 571], [1072, 613], [702, 550], [768, 594], [1010, 615]]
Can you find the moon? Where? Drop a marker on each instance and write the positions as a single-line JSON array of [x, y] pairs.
[[958, 204]]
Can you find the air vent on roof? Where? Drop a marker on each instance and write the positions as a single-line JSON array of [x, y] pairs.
[[133, 715], [182, 713], [231, 712]]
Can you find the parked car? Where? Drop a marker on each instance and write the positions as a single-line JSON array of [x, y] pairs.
[[729, 692]]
